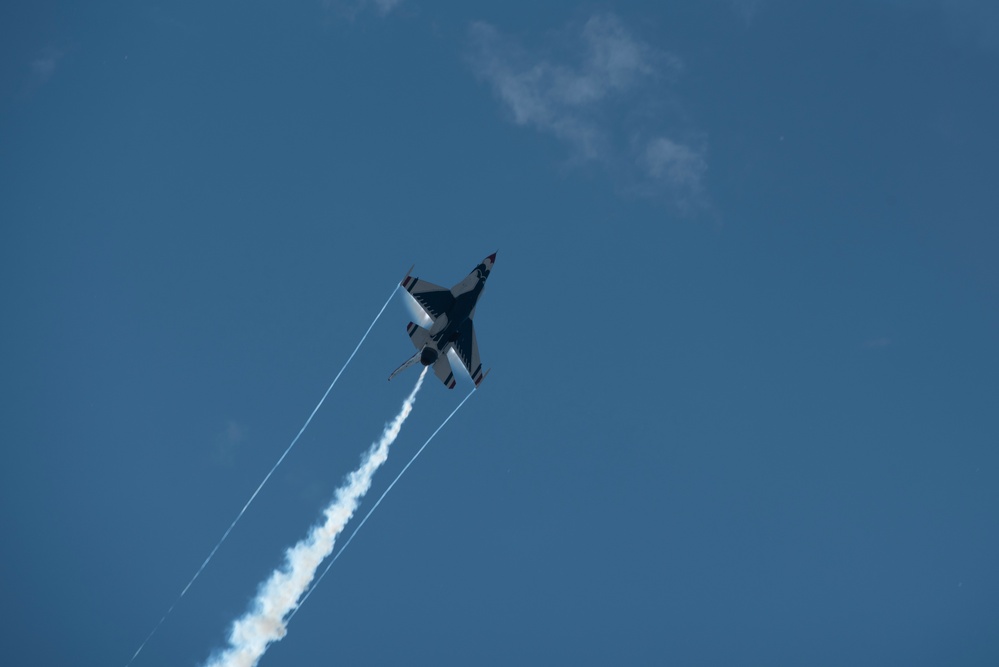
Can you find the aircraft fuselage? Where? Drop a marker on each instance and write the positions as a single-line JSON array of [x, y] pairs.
[[451, 312], [446, 328]]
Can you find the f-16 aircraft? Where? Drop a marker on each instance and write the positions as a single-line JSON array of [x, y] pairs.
[[451, 311]]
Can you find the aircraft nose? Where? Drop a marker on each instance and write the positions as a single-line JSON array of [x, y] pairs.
[[492, 258]]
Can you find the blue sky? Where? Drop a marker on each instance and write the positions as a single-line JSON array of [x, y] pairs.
[[742, 327]]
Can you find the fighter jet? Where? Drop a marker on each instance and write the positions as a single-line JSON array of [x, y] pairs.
[[451, 311]]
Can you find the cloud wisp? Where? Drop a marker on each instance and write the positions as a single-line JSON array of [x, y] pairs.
[[385, 6], [351, 8], [974, 21], [598, 94], [266, 621], [44, 66], [228, 443]]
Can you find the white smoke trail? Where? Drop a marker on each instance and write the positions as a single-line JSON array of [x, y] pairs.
[[239, 516], [377, 503], [265, 623]]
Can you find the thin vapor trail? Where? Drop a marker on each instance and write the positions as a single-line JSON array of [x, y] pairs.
[[266, 477], [375, 506], [277, 597]]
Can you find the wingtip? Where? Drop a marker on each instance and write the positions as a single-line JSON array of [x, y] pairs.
[[406, 278]]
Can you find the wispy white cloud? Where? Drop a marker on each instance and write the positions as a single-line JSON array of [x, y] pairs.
[[385, 6], [593, 90], [972, 22], [679, 164], [228, 442], [976, 21], [351, 8], [877, 343], [44, 66], [747, 9]]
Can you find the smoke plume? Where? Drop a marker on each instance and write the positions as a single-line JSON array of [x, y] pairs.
[[266, 621]]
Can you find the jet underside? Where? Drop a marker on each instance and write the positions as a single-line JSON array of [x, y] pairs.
[[450, 311]]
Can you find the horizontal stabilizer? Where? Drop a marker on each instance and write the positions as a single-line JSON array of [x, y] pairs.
[[468, 351], [442, 369]]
